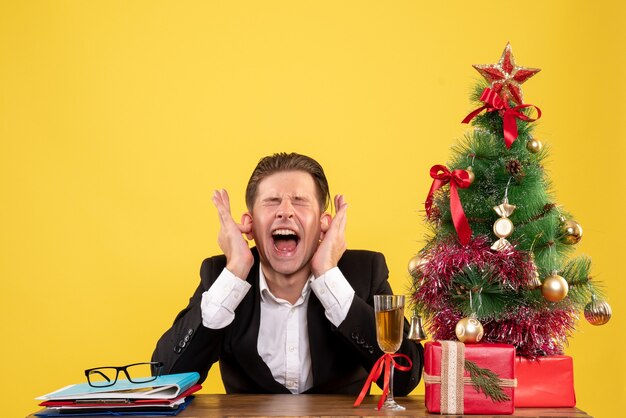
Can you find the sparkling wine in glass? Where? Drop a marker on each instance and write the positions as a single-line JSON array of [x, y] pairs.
[[389, 311]]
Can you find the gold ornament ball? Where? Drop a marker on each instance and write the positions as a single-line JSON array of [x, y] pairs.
[[554, 288], [469, 330], [571, 232], [598, 312], [416, 263], [470, 173], [534, 146]]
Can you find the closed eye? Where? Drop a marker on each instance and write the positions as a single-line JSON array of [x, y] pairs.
[[300, 201], [271, 201]]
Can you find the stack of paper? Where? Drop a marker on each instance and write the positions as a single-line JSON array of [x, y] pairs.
[[166, 395]]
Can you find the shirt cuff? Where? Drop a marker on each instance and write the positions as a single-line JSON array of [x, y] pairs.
[[220, 301], [335, 294]]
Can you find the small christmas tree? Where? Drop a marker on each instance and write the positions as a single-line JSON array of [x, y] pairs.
[[497, 264]]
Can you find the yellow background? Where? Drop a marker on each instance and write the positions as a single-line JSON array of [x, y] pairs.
[[119, 118]]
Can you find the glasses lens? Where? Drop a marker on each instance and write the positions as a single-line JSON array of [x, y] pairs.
[[140, 373], [102, 377]]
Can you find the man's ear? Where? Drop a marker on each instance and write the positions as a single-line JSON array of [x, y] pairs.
[[246, 224], [325, 222]]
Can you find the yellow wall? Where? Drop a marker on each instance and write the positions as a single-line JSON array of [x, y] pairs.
[[118, 119]]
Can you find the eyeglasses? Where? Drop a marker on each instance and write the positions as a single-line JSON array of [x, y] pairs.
[[102, 377]]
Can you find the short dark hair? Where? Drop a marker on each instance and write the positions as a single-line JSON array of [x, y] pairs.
[[283, 161]]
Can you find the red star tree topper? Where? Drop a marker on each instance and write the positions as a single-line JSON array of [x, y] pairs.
[[505, 77]]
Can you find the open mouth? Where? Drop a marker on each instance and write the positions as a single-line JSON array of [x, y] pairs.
[[285, 240]]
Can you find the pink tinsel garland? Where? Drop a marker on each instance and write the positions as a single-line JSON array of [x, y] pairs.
[[534, 331]]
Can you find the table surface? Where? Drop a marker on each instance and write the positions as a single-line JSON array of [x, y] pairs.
[[327, 406]]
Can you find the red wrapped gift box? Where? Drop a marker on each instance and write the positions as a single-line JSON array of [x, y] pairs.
[[545, 382], [461, 397]]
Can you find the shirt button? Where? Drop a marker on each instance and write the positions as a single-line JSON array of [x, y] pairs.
[[291, 349], [236, 295], [322, 291]]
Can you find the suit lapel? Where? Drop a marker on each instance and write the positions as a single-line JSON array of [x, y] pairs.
[[317, 324]]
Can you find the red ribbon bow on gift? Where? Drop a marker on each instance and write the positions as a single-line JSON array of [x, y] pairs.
[[494, 102], [385, 362], [458, 178]]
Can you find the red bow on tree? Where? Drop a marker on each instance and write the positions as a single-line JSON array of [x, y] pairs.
[[457, 178], [494, 102]]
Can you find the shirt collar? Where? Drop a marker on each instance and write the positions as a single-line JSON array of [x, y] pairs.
[[268, 296]]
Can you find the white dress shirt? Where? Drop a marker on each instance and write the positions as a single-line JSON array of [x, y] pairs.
[[283, 341]]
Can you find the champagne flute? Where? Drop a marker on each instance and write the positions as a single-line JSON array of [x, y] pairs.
[[389, 311]]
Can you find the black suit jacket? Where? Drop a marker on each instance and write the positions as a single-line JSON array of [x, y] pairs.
[[341, 357]]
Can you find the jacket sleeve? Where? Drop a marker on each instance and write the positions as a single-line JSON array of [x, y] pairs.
[[369, 278], [188, 346]]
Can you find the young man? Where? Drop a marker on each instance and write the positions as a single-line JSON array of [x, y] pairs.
[[295, 313]]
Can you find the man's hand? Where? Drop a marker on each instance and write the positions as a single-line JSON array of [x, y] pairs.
[[333, 243], [239, 259]]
